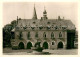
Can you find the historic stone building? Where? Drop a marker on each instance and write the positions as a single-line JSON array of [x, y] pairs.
[[44, 32]]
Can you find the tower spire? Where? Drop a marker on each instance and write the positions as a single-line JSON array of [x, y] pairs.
[[45, 13], [34, 13]]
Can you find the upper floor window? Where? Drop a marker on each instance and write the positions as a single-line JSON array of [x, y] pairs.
[[36, 35], [44, 35], [60, 34], [28, 35], [52, 35], [20, 36]]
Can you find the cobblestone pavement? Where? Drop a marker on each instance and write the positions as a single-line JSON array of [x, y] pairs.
[[9, 51]]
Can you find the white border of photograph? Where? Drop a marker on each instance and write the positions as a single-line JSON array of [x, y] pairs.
[[1, 23]]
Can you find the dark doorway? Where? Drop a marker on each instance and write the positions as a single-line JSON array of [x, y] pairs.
[[29, 45], [70, 39], [60, 45], [21, 45], [45, 45]]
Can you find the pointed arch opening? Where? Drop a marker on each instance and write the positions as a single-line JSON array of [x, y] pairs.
[[45, 45], [29, 45], [60, 45], [21, 45]]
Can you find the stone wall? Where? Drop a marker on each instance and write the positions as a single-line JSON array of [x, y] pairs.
[[41, 39]]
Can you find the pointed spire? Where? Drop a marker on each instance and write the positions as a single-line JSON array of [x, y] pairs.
[[34, 13]]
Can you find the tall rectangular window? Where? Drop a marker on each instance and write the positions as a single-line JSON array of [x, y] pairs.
[[28, 35], [44, 35], [36, 35], [60, 34], [52, 35]]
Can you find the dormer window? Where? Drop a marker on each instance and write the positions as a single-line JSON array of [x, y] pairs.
[[53, 23], [48, 22], [40, 27], [32, 28], [48, 27], [25, 28], [56, 28], [34, 22], [63, 28]]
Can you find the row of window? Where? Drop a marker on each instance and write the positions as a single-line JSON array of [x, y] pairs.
[[42, 28], [37, 35], [47, 22]]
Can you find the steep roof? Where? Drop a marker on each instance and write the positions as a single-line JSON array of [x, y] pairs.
[[46, 23]]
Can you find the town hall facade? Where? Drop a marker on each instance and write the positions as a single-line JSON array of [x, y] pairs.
[[46, 33]]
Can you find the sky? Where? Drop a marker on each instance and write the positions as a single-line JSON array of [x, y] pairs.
[[24, 10]]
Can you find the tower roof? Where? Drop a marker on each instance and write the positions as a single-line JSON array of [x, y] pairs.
[[34, 13], [44, 11]]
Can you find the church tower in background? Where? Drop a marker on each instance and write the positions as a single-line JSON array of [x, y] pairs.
[[34, 13]]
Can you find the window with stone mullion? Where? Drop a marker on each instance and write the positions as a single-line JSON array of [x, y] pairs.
[[44, 35], [20, 35], [52, 35], [60, 34], [36, 35], [28, 35]]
